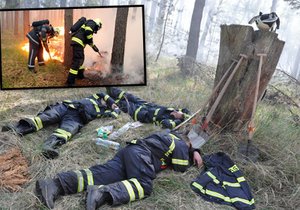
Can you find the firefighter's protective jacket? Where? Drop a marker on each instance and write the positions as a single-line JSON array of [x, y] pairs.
[[92, 107], [128, 176], [71, 115], [39, 33], [223, 182], [141, 110], [84, 35]]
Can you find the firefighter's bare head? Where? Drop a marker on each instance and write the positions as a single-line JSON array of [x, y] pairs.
[[177, 114]]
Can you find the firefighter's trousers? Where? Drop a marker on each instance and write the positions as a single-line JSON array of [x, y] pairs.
[[127, 177], [76, 69], [35, 51], [69, 121]]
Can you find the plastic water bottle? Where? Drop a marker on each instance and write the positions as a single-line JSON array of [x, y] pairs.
[[108, 144]]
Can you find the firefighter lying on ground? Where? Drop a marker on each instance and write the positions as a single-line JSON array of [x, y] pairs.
[[71, 116], [128, 176], [83, 36], [141, 110], [38, 37]]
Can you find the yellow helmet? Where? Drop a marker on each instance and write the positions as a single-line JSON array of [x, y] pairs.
[[98, 22], [56, 31]]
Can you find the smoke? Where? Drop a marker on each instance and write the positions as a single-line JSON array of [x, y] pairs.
[[134, 49]]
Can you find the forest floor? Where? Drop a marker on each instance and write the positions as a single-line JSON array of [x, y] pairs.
[[15, 74], [274, 178]]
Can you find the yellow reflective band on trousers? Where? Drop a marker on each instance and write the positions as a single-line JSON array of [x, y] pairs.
[[80, 180], [220, 196], [73, 71], [37, 123], [95, 105], [136, 113], [214, 178], [89, 175], [180, 162], [139, 187], [155, 115], [62, 133], [129, 190], [79, 41]]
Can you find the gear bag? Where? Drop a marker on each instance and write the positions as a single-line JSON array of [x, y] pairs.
[[39, 23], [78, 24]]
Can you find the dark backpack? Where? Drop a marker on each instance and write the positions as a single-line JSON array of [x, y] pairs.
[[39, 23], [78, 24]]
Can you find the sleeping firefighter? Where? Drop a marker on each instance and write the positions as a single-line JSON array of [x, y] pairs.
[[71, 116], [145, 112]]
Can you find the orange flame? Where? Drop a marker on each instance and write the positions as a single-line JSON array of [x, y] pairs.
[[55, 46]]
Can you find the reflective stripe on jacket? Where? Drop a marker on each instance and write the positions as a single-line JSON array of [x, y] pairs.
[[223, 182]]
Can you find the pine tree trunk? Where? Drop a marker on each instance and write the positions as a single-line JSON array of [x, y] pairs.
[[187, 63], [26, 23], [16, 25], [117, 59], [234, 110], [68, 53]]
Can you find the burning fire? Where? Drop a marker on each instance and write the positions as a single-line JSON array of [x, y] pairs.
[[55, 46]]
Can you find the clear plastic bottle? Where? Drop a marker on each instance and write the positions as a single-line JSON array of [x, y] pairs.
[[108, 144]]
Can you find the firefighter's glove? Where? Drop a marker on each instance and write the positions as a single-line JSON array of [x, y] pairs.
[[95, 48]]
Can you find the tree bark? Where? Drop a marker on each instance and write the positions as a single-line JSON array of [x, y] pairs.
[[16, 25], [152, 16], [187, 63], [117, 59], [234, 110], [26, 22], [68, 53], [193, 40]]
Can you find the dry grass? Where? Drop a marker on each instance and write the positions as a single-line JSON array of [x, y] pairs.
[[274, 179]]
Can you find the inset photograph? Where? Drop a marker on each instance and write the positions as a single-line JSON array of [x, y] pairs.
[[73, 47]]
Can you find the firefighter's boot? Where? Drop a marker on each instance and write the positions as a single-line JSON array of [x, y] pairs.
[[96, 197], [23, 127], [80, 74], [50, 147], [71, 79], [48, 190]]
